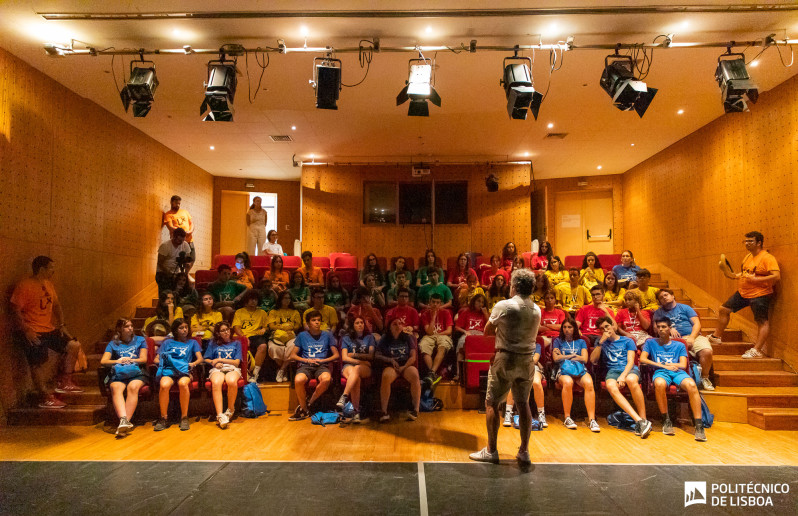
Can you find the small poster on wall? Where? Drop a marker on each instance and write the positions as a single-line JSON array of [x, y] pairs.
[[571, 221]]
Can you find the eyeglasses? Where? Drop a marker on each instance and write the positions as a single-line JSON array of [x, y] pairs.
[[749, 241]]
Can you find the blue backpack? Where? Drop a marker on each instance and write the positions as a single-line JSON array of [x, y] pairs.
[[707, 417], [325, 418], [429, 403], [534, 426], [622, 420], [253, 401]]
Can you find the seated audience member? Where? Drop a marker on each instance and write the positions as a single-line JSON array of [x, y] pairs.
[[669, 358], [508, 256], [223, 357], [396, 354], [205, 319], [300, 293], [458, 277], [434, 287], [164, 311], [171, 255], [357, 353], [336, 296], [617, 355], [472, 289], [569, 350], [284, 322], [613, 292], [401, 283], [626, 271], [361, 307], [518, 263], [541, 287], [587, 317], [570, 294], [174, 360], [243, 271], [226, 292], [127, 356], [437, 323], [186, 296], [551, 318], [277, 275], [271, 247], [498, 291], [314, 350], [37, 327], [540, 260], [591, 274], [329, 317], [372, 266], [495, 268], [405, 312], [537, 392], [400, 269], [648, 294], [314, 276], [377, 295], [556, 272], [268, 297], [632, 320], [686, 325], [422, 274], [252, 322], [470, 320]]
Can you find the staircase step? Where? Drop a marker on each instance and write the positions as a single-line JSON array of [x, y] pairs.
[[684, 300], [728, 334], [730, 348], [142, 312], [93, 360], [704, 312], [773, 418], [138, 322], [755, 378], [658, 284], [70, 415], [87, 379], [737, 363], [656, 276], [90, 396]]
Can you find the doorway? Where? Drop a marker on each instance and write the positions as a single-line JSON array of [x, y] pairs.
[[583, 222], [234, 207]]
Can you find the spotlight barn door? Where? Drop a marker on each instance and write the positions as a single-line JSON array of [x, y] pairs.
[[578, 214]]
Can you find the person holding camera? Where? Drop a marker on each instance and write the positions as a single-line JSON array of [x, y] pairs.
[[174, 256]]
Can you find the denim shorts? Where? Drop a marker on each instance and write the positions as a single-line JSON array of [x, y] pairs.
[[613, 374], [671, 377]]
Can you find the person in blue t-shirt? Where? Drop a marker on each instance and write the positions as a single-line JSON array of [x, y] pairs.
[[669, 358], [397, 353], [626, 271], [224, 357], [569, 350], [357, 353], [126, 355], [617, 354], [314, 350], [175, 363]]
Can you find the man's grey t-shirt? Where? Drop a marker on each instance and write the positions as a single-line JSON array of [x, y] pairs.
[[516, 320], [171, 253]]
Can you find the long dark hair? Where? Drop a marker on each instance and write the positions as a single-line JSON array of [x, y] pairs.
[[244, 256], [494, 288], [216, 331], [278, 305], [549, 251], [570, 321], [293, 284], [506, 254], [186, 290], [161, 311], [434, 258], [551, 260], [330, 277], [546, 284], [616, 288], [252, 206], [374, 270], [274, 260], [350, 324], [120, 323], [597, 265], [457, 264], [177, 323]]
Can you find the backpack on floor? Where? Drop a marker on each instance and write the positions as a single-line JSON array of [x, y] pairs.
[[622, 420], [253, 401], [429, 403], [707, 417], [534, 425], [325, 418]]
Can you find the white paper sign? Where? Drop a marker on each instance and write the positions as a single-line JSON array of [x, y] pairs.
[[571, 221]]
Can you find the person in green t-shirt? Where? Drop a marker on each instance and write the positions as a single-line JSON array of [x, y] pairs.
[[268, 298], [300, 293], [226, 293], [434, 287], [422, 276], [393, 296]]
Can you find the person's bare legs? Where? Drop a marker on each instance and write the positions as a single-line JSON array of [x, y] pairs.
[[182, 385], [590, 395], [132, 400], [567, 395], [301, 394], [321, 388], [118, 398], [231, 379], [762, 335], [492, 423], [388, 376], [163, 394], [620, 399], [724, 316], [411, 375]]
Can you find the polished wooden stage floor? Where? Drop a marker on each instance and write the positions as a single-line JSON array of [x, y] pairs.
[[447, 436]]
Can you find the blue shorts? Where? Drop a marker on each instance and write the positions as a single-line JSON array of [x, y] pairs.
[[613, 374], [671, 377], [172, 373]]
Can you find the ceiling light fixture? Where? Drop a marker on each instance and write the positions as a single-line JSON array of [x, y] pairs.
[[326, 81], [419, 88], [598, 167], [736, 86], [212, 147], [140, 88], [550, 126], [293, 128], [519, 88], [220, 91], [680, 112], [619, 81]]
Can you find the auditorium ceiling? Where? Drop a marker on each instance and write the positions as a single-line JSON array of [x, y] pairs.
[[471, 125]]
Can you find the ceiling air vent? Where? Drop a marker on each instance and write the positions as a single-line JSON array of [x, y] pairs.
[[281, 138], [556, 136]]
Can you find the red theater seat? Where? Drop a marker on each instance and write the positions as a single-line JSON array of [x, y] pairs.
[[244, 367], [608, 261], [227, 259], [203, 278], [260, 261], [527, 259], [573, 261], [346, 268], [291, 263], [333, 256], [479, 351]]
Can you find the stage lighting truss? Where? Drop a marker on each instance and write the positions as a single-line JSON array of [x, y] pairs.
[[140, 88], [736, 86], [220, 91], [619, 81], [519, 88], [326, 81], [419, 88]]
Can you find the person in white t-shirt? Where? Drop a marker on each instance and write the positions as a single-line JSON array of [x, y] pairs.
[[271, 247], [173, 255]]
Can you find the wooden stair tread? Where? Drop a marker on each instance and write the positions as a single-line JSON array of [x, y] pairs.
[[774, 411], [755, 373], [753, 391]]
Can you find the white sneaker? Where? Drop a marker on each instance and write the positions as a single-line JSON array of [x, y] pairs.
[[594, 426], [223, 420], [484, 455], [523, 458], [569, 423], [508, 418], [753, 353], [542, 420], [280, 376], [706, 384], [229, 414]]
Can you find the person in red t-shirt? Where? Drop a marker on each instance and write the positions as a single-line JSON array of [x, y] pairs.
[[551, 318], [470, 320], [437, 323], [458, 277], [632, 320], [509, 252], [495, 269], [587, 316], [404, 312]]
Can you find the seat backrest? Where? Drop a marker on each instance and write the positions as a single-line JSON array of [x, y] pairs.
[[150, 351], [260, 261], [527, 259], [483, 260], [205, 277], [292, 262], [345, 262], [227, 259], [322, 262], [608, 261], [383, 263], [479, 344], [451, 265], [333, 256], [573, 261]]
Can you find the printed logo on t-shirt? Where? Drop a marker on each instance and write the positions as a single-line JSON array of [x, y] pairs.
[[316, 348], [399, 351], [226, 353], [127, 352], [569, 347], [46, 300]]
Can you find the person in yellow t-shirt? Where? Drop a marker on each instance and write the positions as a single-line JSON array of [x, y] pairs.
[[329, 317], [467, 294], [165, 311], [252, 322], [542, 286], [284, 321], [203, 321], [647, 294], [758, 273], [571, 295], [591, 273], [555, 272], [613, 292]]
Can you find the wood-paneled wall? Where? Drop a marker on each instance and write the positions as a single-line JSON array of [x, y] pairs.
[[697, 198], [88, 189], [287, 207], [333, 212]]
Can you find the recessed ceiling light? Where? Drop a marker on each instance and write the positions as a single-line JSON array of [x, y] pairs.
[[428, 30], [312, 156], [680, 112], [550, 126], [212, 147], [293, 128], [176, 32], [633, 145], [526, 154], [598, 167], [755, 63], [304, 30]]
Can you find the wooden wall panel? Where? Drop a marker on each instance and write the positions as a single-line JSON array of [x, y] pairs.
[[88, 189], [701, 195]]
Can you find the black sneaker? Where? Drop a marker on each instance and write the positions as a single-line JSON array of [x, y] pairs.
[[160, 424], [700, 435], [435, 379], [299, 414], [637, 427], [412, 415], [645, 428], [184, 424]]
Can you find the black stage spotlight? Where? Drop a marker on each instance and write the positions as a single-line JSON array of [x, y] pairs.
[[735, 84], [491, 183], [220, 90], [619, 81], [519, 89], [327, 82], [419, 89], [140, 88]]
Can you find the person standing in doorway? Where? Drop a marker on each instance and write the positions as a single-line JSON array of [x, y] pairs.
[[256, 227]]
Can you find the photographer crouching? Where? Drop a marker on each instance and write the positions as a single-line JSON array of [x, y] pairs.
[[174, 256]]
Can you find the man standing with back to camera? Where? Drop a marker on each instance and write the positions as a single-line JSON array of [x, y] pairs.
[[515, 323]]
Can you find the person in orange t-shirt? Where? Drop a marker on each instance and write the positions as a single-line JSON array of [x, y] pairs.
[[39, 327], [314, 276], [179, 218], [759, 272]]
